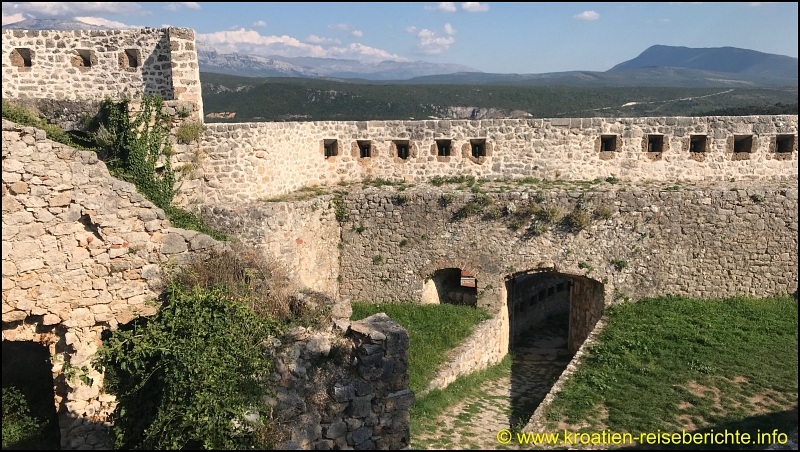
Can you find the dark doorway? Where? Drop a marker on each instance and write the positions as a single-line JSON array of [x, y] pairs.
[[452, 286], [27, 367], [550, 315]]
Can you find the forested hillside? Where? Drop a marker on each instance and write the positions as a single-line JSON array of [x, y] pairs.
[[238, 99]]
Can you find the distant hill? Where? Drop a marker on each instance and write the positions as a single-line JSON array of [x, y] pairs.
[[716, 59], [658, 66], [241, 99], [646, 76], [52, 24], [211, 60], [384, 70]]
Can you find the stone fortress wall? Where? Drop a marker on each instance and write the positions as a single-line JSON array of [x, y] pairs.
[[256, 161], [62, 71]]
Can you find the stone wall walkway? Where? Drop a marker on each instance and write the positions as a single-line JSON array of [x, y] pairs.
[[540, 356]]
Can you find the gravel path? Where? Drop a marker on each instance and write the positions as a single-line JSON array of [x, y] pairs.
[[540, 356]]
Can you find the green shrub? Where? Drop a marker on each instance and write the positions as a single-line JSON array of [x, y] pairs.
[[24, 117], [20, 429], [377, 259], [189, 131], [585, 266], [579, 219], [188, 376], [603, 212], [619, 264], [139, 148], [339, 209]]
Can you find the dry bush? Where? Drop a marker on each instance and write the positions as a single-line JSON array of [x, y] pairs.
[[246, 274]]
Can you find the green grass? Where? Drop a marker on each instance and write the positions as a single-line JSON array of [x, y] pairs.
[[432, 329], [671, 363], [430, 406]]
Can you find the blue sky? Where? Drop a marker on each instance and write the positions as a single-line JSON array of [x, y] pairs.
[[491, 37]]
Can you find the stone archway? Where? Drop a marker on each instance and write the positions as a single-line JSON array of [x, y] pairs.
[[452, 286], [550, 315]]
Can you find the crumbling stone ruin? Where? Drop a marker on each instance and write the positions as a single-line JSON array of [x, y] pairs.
[[83, 252]]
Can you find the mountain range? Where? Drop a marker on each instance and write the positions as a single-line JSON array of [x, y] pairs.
[[212, 60]]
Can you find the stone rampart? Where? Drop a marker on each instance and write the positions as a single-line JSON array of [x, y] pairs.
[[248, 162], [65, 73], [487, 345], [714, 241]]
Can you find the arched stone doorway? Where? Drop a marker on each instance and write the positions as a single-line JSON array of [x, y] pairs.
[[533, 298], [452, 286], [550, 315]]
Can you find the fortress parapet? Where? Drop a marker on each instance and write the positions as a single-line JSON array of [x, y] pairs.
[[65, 74]]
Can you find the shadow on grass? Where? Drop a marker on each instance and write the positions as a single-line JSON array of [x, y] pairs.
[[760, 428]]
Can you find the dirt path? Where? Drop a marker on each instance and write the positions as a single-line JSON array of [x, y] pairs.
[[540, 356]]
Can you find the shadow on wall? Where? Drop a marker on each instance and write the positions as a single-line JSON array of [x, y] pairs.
[[157, 70], [550, 316], [452, 286], [27, 367]]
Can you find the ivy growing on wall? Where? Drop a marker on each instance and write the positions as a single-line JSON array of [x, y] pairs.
[[139, 149]]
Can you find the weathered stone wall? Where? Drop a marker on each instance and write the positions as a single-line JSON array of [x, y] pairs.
[[303, 236], [361, 403], [82, 252], [711, 241], [255, 161], [487, 345], [71, 69]]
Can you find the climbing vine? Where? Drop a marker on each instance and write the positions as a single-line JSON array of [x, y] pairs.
[[139, 149]]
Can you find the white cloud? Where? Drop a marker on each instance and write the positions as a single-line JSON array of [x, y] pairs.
[[105, 22], [12, 18], [448, 7], [411, 29], [50, 10], [259, 24], [314, 39], [234, 28], [251, 42], [342, 27], [357, 33], [475, 7], [430, 44], [587, 15], [174, 6], [449, 29]]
